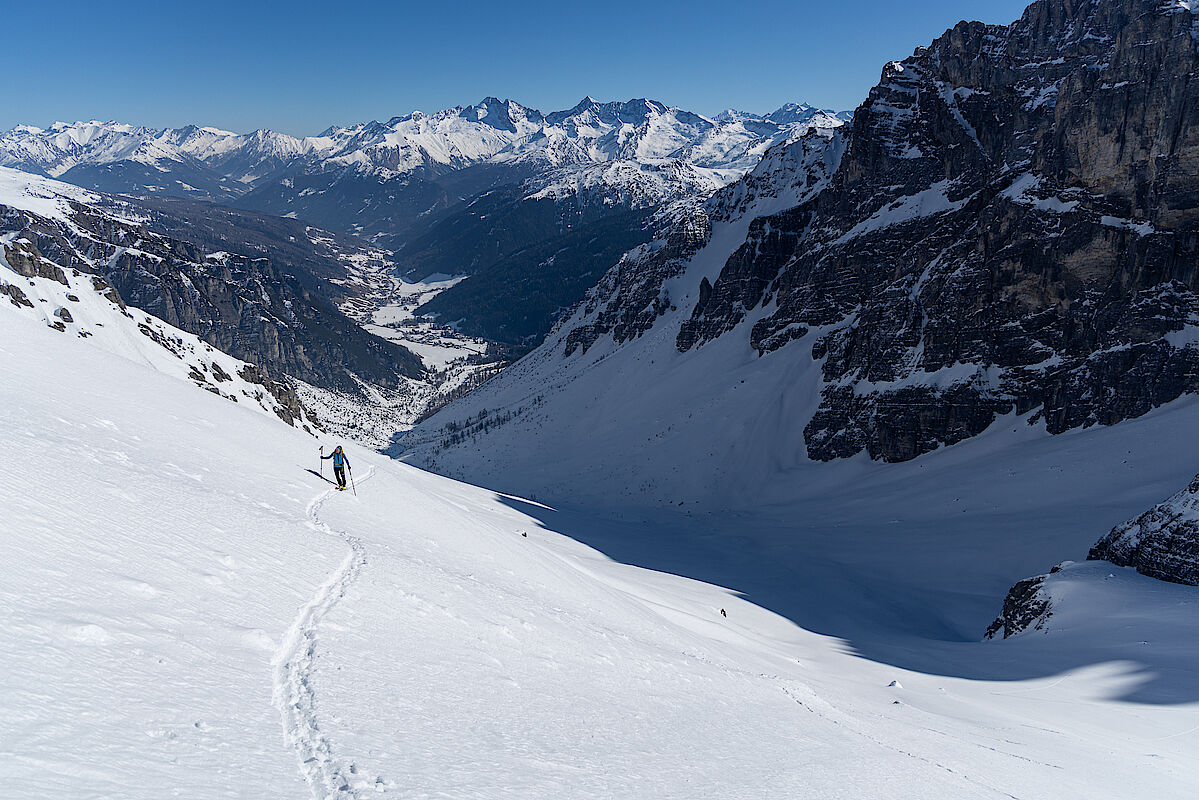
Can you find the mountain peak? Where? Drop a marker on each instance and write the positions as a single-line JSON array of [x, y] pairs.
[[633, 111], [734, 115], [500, 114]]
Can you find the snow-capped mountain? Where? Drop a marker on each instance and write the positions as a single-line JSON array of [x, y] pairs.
[[497, 131], [765, 574], [115, 157]]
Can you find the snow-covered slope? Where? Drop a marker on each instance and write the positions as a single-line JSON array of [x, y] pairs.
[[186, 608], [86, 310]]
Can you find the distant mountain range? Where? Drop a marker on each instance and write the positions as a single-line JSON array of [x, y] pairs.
[[208, 163], [533, 207]]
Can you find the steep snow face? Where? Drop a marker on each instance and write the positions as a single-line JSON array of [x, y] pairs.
[[187, 607]]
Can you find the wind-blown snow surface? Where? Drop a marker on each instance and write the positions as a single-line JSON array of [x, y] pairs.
[[186, 609]]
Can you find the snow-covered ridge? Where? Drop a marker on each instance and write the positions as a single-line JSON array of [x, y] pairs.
[[44, 197], [60, 244], [84, 307]]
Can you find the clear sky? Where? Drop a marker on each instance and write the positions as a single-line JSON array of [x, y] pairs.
[[299, 67]]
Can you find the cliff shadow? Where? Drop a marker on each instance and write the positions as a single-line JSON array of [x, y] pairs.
[[894, 595]]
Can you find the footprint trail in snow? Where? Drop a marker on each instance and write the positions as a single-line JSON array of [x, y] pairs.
[[294, 696]]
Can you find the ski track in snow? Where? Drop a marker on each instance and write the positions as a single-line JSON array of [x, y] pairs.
[[294, 696]]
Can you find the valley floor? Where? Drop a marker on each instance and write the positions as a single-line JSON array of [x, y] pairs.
[[187, 608]]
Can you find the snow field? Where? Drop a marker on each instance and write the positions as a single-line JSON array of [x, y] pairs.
[[149, 564], [186, 609], [168, 576]]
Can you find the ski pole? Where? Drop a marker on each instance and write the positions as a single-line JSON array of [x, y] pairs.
[[352, 486], [322, 461]]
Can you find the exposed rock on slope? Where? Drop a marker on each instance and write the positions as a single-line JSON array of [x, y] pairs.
[[1162, 543], [85, 307], [1026, 606], [248, 307], [949, 257], [630, 298]]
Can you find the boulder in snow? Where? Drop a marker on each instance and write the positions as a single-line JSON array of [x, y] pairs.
[[1026, 606]]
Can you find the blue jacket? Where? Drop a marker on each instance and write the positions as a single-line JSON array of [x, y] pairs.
[[338, 457]]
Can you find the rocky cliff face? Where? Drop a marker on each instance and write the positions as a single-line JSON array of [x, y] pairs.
[[251, 308], [953, 254], [1162, 543], [1013, 226], [630, 298], [86, 307]]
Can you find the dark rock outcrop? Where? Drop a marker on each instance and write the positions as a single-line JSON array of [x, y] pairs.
[[25, 260], [631, 296], [289, 408], [1162, 543], [107, 292], [1026, 606], [15, 295]]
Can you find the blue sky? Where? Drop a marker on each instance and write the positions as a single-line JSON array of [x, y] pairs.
[[299, 67]]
